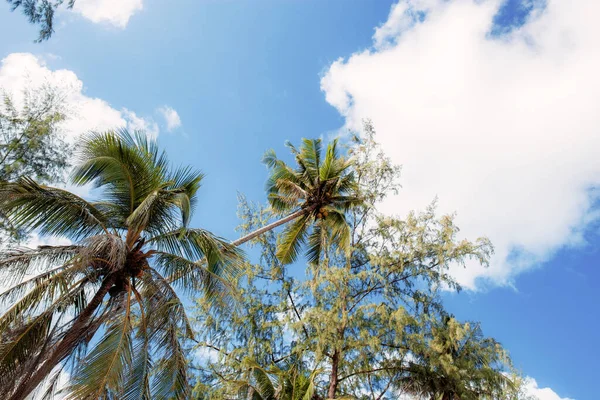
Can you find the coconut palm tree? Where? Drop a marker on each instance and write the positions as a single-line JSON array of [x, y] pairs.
[[291, 381], [104, 307], [315, 195]]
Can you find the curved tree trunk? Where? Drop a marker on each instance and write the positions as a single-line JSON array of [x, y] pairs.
[[269, 227], [72, 337]]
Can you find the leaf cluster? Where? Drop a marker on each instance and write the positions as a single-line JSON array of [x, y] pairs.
[[40, 12], [32, 141]]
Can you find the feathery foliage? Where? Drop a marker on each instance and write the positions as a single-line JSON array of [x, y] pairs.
[[362, 320], [31, 141], [41, 12], [455, 361]]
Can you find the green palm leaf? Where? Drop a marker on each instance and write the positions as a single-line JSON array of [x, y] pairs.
[[51, 211], [292, 240], [104, 369]]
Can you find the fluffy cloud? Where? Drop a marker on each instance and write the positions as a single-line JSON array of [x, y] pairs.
[[114, 12], [19, 71], [136, 123], [532, 389], [171, 117], [505, 130]]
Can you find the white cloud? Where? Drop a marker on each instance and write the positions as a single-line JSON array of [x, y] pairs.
[[505, 131], [138, 123], [171, 117], [114, 12], [532, 389], [206, 355], [24, 70], [36, 240]]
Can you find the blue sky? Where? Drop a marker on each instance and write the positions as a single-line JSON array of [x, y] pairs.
[[247, 76]]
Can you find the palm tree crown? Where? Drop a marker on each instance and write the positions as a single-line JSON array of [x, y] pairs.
[[315, 194], [292, 381], [107, 302]]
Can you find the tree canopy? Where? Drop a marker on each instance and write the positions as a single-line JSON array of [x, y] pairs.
[[365, 323], [32, 141], [358, 315], [105, 308]]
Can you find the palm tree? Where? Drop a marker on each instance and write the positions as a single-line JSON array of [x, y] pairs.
[[458, 362], [315, 194], [105, 306], [290, 382]]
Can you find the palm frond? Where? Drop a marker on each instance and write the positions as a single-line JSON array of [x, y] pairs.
[[316, 243], [21, 344], [199, 244], [48, 295], [211, 279], [163, 305], [339, 229], [310, 157], [270, 158], [50, 211], [262, 383], [137, 386], [128, 167], [43, 263], [331, 157], [170, 380], [105, 366], [292, 240]]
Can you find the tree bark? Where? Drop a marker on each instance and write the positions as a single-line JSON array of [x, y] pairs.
[[73, 336], [333, 379], [270, 226]]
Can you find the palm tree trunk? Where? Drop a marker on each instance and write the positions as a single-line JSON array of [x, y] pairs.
[[72, 337], [270, 226]]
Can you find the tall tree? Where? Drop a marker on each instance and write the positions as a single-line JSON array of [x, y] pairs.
[[114, 286], [315, 195], [31, 141], [454, 361], [359, 317], [41, 12]]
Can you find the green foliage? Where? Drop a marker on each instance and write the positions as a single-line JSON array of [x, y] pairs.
[[323, 188], [367, 322], [41, 12], [455, 361], [31, 140], [289, 381], [116, 283]]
